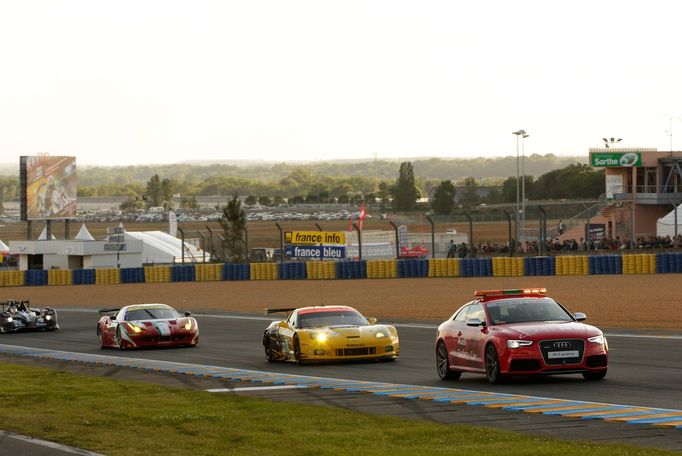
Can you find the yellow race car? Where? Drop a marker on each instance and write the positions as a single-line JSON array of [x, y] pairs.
[[328, 333]]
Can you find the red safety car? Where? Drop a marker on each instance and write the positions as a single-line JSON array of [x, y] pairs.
[[518, 332], [146, 325]]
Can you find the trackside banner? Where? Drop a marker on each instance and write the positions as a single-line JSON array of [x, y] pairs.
[[314, 237], [324, 252]]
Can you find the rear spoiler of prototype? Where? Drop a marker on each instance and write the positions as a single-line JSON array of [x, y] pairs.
[[104, 311], [9, 302], [280, 310]]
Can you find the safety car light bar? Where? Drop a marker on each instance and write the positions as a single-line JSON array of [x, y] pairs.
[[514, 291]]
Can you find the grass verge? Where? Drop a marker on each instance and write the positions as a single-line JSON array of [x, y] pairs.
[[125, 417]]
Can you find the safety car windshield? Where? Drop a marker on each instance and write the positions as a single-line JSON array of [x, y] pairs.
[[335, 318], [526, 310], [152, 313]]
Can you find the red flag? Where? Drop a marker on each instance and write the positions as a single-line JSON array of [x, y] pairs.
[[363, 214]]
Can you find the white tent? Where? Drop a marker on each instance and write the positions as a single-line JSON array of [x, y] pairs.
[[84, 234], [43, 235], [160, 247], [665, 226], [3, 248]]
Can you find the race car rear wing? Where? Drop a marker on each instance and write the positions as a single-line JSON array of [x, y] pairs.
[[280, 310], [106, 311]]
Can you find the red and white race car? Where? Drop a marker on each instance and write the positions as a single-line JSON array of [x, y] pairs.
[[146, 325], [518, 332]]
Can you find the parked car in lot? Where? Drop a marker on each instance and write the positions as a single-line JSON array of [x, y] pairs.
[[501, 333]]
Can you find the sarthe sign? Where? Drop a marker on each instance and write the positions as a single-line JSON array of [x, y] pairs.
[[616, 159], [314, 237]]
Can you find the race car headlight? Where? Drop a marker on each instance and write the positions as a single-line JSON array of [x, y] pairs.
[[320, 337], [518, 343], [9, 319], [48, 317], [188, 325], [135, 328], [597, 339], [379, 335]]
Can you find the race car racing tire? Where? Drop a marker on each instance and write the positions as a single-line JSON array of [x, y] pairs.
[[267, 344], [119, 341], [492, 365], [99, 336], [593, 376], [297, 349], [443, 364]]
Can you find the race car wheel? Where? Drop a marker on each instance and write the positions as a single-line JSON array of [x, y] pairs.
[[267, 344], [297, 349], [592, 376], [443, 365], [101, 339], [492, 365], [119, 341]]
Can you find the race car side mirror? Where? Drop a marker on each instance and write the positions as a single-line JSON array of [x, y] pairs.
[[188, 313], [372, 321], [579, 316]]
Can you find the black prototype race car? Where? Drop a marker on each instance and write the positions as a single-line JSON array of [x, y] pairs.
[[19, 316]]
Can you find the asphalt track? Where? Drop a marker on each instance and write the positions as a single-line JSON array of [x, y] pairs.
[[644, 370]]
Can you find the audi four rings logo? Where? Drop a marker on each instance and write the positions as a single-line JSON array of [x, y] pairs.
[[562, 344]]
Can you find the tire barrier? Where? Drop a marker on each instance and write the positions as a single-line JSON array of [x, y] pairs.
[[107, 276], [265, 271], [351, 269], [572, 265], [382, 269], [208, 272], [668, 262], [157, 274], [659, 263], [508, 266], [35, 277], [293, 271], [132, 275], [413, 268], [643, 263], [12, 278], [321, 270], [183, 273], [444, 267], [476, 267], [59, 277], [539, 266], [607, 264], [84, 276], [236, 271]]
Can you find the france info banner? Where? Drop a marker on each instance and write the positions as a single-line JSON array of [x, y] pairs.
[[325, 252]]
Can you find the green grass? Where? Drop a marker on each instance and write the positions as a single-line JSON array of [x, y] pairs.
[[125, 417]]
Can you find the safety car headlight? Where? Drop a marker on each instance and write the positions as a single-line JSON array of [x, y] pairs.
[[379, 335], [597, 339], [518, 343]]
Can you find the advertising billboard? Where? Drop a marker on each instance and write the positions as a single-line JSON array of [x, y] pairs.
[[48, 187], [615, 159]]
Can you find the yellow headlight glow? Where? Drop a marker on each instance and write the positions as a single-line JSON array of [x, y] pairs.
[[321, 337], [379, 335], [188, 325]]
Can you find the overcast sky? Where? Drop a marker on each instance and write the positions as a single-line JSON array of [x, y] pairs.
[[129, 82]]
